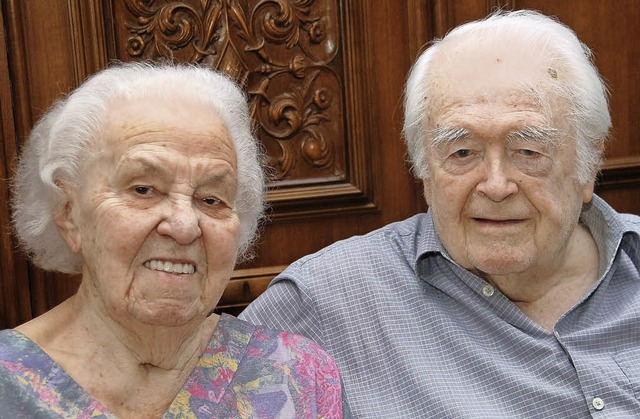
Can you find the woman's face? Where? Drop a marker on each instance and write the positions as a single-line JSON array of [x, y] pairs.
[[155, 219]]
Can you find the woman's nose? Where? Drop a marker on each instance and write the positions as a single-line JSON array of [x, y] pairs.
[[180, 222]]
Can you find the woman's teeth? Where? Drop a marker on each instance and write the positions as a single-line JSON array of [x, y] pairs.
[[169, 267]]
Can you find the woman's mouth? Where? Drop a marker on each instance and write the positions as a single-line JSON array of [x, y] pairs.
[[170, 267]]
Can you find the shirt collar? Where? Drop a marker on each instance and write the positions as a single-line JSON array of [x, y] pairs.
[[608, 230], [428, 240]]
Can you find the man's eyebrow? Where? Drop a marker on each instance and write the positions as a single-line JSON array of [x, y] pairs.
[[447, 134], [547, 136]]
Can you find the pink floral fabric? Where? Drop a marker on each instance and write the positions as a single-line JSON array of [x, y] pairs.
[[246, 372]]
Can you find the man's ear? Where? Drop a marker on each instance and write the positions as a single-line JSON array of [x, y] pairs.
[[426, 189], [587, 189], [67, 223]]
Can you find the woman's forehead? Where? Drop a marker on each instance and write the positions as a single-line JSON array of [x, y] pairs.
[[147, 118]]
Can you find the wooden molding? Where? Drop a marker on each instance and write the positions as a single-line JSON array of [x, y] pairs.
[[15, 298], [246, 285], [419, 28], [88, 37], [442, 19], [619, 173], [17, 60]]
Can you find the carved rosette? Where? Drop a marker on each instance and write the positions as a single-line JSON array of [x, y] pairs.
[[284, 52]]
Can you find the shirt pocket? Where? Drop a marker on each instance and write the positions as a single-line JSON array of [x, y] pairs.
[[629, 363]]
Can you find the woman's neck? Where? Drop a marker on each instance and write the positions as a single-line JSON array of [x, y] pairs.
[[130, 367]]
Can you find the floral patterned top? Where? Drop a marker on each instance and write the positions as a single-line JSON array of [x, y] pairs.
[[246, 371]]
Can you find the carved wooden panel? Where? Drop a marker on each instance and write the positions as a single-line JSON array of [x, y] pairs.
[[305, 90]]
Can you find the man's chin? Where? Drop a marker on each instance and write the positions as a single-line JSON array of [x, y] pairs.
[[501, 264]]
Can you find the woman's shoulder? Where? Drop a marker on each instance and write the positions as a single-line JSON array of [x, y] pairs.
[[24, 373], [21, 360], [288, 369], [7, 336], [10, 348], [15, 344], [263, 345], [262, 339]]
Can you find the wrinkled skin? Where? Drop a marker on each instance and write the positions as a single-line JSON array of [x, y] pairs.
[[503, 191], [162, 189]]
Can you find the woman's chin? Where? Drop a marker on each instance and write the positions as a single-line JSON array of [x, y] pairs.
[[170, 314]]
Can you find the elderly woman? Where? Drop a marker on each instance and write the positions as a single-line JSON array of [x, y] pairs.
[[146, 180]]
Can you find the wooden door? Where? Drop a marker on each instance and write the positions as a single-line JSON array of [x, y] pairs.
[[325, 79]]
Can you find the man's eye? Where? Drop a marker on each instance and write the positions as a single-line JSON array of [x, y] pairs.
[[528, 153], [462, 153], [143, 190], [211, 200]]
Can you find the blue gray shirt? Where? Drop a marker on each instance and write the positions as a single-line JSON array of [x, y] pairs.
[[416, 336]]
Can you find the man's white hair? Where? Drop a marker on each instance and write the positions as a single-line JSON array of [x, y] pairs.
[[581, 88]]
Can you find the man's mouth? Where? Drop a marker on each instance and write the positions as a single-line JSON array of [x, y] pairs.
[[498, 222], [170, 267]]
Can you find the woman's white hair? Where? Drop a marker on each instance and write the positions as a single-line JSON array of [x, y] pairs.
[[582, 87], [70, 133]]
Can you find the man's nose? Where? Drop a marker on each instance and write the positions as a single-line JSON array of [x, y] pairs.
[[180, 221], [497, 183]]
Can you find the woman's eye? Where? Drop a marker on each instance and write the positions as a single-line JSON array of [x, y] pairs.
[[143, 190]]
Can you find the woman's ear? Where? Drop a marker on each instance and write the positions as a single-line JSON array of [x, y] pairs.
[[66, 221]]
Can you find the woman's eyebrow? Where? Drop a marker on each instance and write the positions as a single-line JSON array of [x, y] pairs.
[[140, 164], [155, 167]]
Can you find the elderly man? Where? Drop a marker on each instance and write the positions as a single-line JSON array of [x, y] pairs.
[[518, 293]]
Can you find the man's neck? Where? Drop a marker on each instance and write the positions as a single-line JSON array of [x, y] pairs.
[[548, 292]]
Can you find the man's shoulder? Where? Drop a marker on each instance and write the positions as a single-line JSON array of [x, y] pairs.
[[632, 221], [397, 239]]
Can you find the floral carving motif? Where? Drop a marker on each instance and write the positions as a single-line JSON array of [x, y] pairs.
[[284, 51]]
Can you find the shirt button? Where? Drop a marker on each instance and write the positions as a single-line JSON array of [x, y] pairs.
[[488, 290], [598, 403]]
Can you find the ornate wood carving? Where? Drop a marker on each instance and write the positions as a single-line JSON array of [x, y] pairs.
[[297, 69]]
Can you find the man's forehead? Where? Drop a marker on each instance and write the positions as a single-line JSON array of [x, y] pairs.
[[480, 66], [471, 73]]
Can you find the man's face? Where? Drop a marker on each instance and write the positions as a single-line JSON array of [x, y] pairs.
[[155, 218], [503, 189]]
